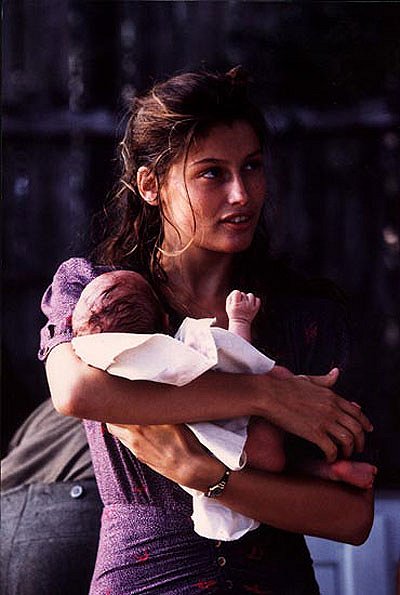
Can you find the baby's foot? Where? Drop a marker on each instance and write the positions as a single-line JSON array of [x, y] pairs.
[[264, 446], [361, 475]]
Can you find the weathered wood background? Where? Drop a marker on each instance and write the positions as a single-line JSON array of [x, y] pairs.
[[328, 78]]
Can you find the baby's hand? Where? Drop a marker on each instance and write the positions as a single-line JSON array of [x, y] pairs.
[[242, 307]]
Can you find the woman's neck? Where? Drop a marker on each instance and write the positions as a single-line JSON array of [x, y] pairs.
[[198, 284]]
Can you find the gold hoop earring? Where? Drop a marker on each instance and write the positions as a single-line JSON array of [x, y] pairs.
[[177, 252]]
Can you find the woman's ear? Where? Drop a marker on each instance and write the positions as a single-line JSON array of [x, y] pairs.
[[147, 185]]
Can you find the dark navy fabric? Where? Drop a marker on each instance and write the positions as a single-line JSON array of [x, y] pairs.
[[49, 536], [48, 447]]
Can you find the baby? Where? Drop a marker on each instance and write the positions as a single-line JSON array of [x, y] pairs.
[[124, 302]]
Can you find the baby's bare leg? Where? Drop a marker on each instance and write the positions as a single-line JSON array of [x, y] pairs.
[[264, 446], [265, 451], [241, 309]]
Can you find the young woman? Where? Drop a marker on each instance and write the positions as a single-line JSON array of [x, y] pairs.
[[188, 216]]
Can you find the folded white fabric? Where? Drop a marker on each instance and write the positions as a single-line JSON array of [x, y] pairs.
[[197, 347], [159, 358]]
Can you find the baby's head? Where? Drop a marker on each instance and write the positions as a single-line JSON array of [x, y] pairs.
[[118, 301]]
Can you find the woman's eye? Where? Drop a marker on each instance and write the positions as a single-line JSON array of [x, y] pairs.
[[211, 173], [253, 165]]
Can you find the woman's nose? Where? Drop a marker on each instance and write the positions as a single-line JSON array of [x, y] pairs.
[[238, 192]]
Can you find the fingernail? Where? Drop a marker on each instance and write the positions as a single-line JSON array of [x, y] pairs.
[[356, 404]]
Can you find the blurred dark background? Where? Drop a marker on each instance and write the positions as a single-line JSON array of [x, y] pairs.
[[327, 75]]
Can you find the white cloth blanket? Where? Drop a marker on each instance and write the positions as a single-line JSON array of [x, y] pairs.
[[197, 347]]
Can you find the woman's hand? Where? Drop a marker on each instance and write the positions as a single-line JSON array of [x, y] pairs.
[[171, 450], [307, 407], [289, 503]]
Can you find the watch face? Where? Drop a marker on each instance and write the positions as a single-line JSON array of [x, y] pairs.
[[217, 492]]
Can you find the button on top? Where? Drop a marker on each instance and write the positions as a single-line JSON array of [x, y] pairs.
[[76, 491], [218, 543], [221, 561]]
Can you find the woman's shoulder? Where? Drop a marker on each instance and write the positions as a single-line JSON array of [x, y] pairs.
[[61, 297], [79, 269]]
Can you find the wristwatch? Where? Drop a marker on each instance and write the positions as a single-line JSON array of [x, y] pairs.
[[217, 489]]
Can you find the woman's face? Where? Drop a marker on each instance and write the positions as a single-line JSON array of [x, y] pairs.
[[224, 178]]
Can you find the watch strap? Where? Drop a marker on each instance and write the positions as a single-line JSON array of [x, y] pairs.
[[216, 490]]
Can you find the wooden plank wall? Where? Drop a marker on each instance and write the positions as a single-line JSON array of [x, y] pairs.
[[328, 79]]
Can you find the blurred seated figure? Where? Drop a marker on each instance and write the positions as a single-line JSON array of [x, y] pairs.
[[50, 508]]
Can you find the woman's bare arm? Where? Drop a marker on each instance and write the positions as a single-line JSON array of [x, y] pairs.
[[302, 504], [297, 405], [293, 503], [82, 391]]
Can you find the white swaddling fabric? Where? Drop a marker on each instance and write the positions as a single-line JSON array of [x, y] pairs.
[[196, 348]]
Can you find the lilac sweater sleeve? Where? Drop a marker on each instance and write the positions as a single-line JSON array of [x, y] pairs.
[[60, 298]]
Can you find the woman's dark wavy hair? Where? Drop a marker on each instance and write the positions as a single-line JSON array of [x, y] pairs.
[[160, 130]]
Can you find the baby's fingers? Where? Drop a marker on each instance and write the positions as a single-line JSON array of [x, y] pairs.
[[253, 301], [234, 297]]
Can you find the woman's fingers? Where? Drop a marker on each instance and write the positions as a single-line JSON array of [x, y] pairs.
[[328, 447], [355, 428], [308, 408], [355, 421], [351, 424], [344, 438], [327, 380], [128, 435], [172, 450], [335, 440], [347, 426], [354, 411]]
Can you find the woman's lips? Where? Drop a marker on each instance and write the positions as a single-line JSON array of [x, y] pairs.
[[238, 221]]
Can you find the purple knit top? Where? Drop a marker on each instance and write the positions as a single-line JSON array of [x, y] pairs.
[[147, 543]]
